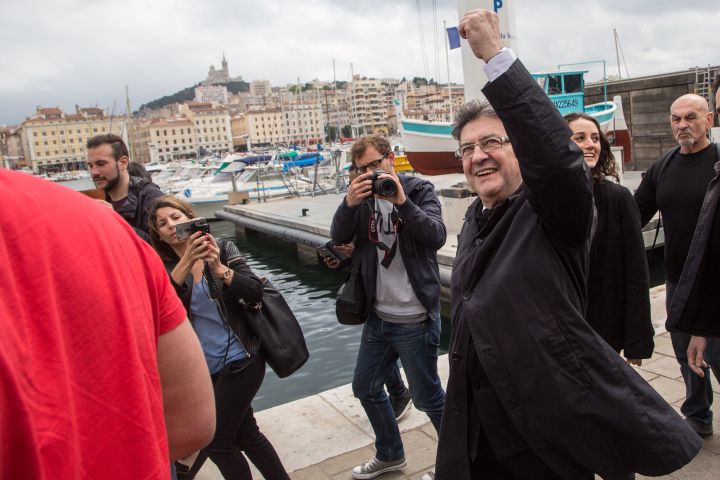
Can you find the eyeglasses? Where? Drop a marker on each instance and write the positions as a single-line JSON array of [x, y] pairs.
[[487, 145], [370, 166]]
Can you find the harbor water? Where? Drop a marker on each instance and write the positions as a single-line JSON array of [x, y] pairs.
[[310, 291]]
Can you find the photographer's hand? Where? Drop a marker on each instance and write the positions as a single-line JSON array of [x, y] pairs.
[[344, 248], [195, 249], [359, 190], [212, 258], [331, 262]]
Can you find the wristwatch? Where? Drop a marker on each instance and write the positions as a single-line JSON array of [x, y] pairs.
[[227, 273]]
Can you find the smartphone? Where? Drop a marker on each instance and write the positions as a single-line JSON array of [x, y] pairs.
[[185, 229], [328, 250]]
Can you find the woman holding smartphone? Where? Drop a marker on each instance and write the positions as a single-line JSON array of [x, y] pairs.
[[618, 282], [214, 282]]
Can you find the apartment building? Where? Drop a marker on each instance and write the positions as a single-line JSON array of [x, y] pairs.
[[55, 141], [211, 94], [11, 152], [304, 123], [336, 108], [164, 140], [432, 102], [266, 126], [239, 129], [291, 124], [260, 88], [368, 105], [211, 127]]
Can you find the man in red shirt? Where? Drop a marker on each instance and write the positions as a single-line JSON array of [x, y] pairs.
[[96, 355]]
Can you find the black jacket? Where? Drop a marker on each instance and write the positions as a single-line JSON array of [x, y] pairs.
[[134, 210], [695, 308], [422, 233], [521, 290], [618, 282], [245, 286]]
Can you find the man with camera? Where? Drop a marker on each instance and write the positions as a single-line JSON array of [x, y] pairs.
[[130, 197], [397, 226]]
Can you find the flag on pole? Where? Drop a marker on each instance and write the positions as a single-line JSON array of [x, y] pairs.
[[453, 37]]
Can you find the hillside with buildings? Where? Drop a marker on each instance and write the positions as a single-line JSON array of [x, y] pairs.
[[222, 114]]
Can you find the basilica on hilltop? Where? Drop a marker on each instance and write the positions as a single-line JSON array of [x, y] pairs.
[[221, 76]]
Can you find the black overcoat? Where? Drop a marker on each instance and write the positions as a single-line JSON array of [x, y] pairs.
[[618, 282], [522, 291]]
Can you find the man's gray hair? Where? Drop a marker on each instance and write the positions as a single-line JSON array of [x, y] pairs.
[[472, 110]]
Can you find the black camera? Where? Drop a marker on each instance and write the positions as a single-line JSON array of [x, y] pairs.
[[384, 187], [186, 229]]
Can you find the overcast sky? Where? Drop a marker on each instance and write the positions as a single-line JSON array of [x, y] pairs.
[[67, 52]]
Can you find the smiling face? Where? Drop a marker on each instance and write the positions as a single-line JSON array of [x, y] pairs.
[[587, 137], [166, 218], [493, 176]]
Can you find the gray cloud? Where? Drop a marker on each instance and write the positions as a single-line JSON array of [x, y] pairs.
[[67, 52]]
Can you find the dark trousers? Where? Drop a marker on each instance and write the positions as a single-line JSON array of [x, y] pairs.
[[237, 430]]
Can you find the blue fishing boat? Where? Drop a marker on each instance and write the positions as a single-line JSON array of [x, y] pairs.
[[566, 90]]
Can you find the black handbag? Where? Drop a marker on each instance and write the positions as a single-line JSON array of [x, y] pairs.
[[350, 305], [281, 337]]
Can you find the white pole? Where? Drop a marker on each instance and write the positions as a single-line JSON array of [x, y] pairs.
[[473, 72]]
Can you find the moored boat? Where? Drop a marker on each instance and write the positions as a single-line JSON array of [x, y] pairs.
[[430, 147]]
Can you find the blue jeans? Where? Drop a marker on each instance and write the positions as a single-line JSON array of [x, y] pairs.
[[698, 391], [416, 345], [394, 382]]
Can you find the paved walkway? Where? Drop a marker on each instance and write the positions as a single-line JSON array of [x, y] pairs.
[[324, 436]]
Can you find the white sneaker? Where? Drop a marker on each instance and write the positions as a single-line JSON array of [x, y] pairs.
[[429, 475], [375, 467]]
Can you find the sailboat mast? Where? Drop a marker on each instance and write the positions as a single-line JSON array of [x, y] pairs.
[[617, 53], [353, 127], [128, 124], [336, 104], [447, 63]]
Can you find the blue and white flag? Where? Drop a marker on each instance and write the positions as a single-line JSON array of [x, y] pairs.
[[453, 37]]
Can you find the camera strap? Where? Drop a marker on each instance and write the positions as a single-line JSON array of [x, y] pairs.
[[374, 235]]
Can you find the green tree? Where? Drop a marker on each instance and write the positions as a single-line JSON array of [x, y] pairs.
[[346, 131], [419, 81], [236, 87], [184, 95]]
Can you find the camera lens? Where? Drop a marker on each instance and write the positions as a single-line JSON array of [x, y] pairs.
[[386, 187], [383, 186]]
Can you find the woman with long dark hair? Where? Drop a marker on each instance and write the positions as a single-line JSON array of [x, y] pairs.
[[618, 284], [213, 281]]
